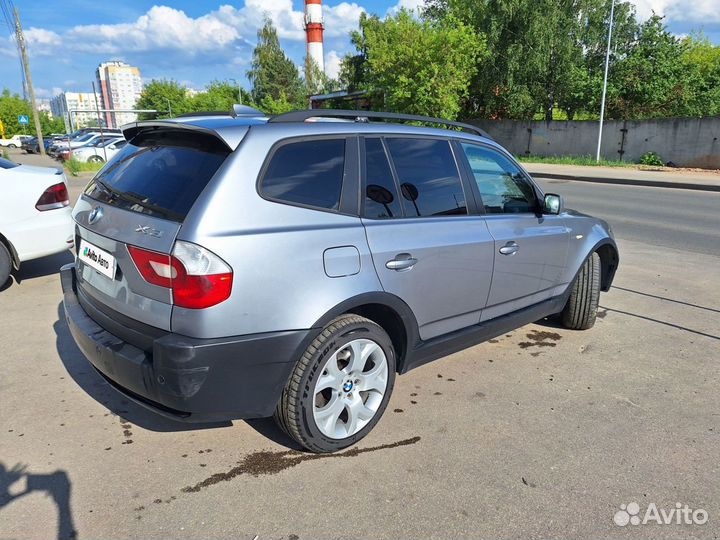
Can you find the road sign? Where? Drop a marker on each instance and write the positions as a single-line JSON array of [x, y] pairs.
[[23, 119]]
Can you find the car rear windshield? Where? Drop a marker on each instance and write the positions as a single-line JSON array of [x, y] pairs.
[[7, 164], [160, 173]]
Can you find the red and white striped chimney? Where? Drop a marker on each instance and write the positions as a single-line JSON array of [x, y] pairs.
[[314, 30]]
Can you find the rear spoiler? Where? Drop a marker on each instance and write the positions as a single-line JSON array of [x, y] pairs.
[[230, 138]]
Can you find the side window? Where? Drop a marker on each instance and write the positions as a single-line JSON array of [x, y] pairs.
[[381, 198], [307, 172], [503, 188], [429, 179]]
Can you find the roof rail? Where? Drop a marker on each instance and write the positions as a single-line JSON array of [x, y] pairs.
[[203, 113], [365, 116], [237, 110]]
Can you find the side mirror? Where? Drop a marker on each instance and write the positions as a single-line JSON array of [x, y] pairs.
[[111, 147], [553, 204]]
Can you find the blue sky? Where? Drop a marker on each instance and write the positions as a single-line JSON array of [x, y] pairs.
[[197, 41]]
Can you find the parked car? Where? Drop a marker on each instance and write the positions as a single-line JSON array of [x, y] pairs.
[[15, 141], [99, 151], [29, 145], [242, 267], [35, 216], [80, 138]]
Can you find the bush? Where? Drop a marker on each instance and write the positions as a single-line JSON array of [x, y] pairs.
[[651, 158], [76, 167]]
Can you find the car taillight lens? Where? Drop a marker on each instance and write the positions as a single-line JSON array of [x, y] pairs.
[[54, 197], [198, 278]]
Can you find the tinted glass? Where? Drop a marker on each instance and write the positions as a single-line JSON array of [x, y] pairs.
[[7, 164], [503, 188], [429, 179], [160, 174], [381, 199], [307, 172]]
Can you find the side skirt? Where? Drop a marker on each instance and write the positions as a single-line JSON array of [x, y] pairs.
[[427, 351]]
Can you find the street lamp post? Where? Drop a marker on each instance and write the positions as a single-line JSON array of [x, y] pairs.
[[604, 92]]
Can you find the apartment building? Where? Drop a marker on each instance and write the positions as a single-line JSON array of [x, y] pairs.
[[120, 85], [76, 103]]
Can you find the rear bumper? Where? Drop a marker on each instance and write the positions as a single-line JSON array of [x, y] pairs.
[[189, 379]]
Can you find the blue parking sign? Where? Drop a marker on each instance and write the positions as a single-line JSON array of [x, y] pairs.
[[23, 119]]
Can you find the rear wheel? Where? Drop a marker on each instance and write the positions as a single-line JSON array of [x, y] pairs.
[[340, 387], [12, 146], [581, 308], [95, 159], [5, 265]]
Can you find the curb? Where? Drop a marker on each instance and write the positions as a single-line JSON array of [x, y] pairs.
[[629, 182]]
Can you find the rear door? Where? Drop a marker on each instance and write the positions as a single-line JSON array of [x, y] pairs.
[[530, 248], [140, 199], [426, 249]]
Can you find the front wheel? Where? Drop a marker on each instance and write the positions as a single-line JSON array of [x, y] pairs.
[[340, 387], [581, 308], [12, 146], [95, 159]]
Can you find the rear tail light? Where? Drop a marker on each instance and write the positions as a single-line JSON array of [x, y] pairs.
[[54, 197], [197, 277]]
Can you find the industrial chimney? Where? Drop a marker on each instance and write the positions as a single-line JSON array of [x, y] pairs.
[[314, 31]]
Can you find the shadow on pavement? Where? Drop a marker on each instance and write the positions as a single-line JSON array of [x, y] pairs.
[[56, 485], [45, 266], [97, 388]]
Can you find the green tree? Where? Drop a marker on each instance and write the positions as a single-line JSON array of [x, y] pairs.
[[163, 95], [219, 96], [416, 66], [652, 80], [272, 73], [544, 53], [703, 59]]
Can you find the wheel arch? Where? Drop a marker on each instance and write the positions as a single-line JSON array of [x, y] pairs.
[[11, 250], [609, 259], [386, 310]]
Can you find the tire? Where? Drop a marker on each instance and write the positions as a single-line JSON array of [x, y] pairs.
[[95, 159], [5, 265], [321, 420], [581, 308], [12, 146]]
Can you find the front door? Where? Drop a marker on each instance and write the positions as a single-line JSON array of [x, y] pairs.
[[530, 248], [426, 249]]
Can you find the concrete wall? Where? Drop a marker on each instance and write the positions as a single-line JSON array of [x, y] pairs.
[[687, 142]]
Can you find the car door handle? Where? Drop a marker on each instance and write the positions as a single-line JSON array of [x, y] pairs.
[[402, 261], [511, 248]]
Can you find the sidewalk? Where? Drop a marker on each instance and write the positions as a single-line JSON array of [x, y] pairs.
[[681, 179]]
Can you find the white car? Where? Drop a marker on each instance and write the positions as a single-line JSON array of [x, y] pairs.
[[103, 151], [35, 215], [15, 141]]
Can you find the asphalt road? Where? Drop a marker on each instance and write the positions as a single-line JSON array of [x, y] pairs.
[[676, 218], [544, 432]]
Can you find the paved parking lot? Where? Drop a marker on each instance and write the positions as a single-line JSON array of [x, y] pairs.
[[543, 432]]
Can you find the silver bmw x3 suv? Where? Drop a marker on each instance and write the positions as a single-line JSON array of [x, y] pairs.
[[239, 266]]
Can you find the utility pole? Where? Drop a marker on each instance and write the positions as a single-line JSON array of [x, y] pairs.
[[28, 79], [97, 109], [607, 65]]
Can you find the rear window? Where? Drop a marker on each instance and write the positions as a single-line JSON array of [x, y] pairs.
[[160, 173], [308, 173], [7, 164]]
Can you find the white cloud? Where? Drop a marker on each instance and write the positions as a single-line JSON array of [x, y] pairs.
[[48, 93], [694, 11], [223, 30], [412, 5], [332, 64]]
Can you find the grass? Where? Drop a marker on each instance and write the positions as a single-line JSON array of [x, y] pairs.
[[76, 167], [575, 160]]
